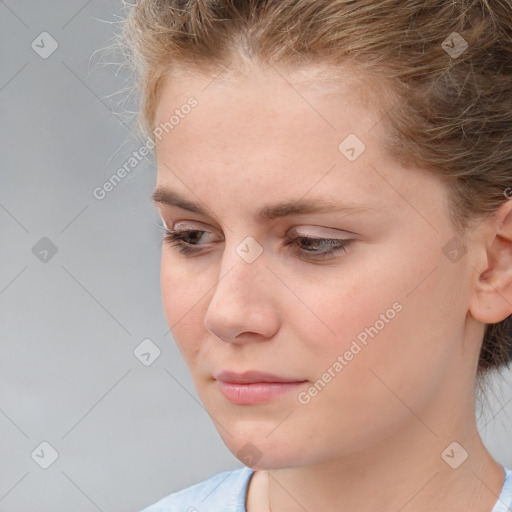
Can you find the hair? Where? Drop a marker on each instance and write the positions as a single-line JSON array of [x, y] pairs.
[[448, 113]]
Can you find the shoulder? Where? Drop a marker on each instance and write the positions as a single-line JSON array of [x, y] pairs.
[[224, 491], [505, 499]]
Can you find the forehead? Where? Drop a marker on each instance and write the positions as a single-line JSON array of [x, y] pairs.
[[252, 82], [289, 113], [278, 135], [263, 116]]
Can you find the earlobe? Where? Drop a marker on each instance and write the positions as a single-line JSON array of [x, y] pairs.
[[492, 297]]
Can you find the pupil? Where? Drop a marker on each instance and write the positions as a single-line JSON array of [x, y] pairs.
[[307, 242], [193, 235]]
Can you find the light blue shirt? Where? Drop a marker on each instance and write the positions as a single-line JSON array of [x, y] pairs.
[[226, 492]]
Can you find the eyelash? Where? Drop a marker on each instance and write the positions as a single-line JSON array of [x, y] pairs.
[[176, 240]]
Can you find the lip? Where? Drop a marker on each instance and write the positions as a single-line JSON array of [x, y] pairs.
[[252, 376], [254, 387]]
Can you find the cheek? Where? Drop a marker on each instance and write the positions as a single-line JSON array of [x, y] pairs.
[[403, 326], [363, 395], [343, 308], [182, 301]]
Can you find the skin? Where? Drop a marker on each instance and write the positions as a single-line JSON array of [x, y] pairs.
[[373, 437]]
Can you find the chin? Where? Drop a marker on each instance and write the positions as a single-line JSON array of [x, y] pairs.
[[254, 448]]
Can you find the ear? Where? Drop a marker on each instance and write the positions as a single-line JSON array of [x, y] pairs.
[[492, 295]]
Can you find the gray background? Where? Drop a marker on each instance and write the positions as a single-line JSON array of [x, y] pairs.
[[126, 434]]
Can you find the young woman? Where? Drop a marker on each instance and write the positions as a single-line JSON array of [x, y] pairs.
[[334, 178]]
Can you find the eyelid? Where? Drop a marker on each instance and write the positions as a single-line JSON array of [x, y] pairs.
[[190, 226], [299, 231], [325, 233]]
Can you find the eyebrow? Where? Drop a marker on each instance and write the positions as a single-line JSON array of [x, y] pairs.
[[170, 197]]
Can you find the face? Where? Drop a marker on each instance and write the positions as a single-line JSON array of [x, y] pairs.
[[354, 305]]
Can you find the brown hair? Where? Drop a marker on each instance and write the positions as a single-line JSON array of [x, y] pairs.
[[446, 67]]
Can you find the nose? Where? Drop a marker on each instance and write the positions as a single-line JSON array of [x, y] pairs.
[[243, 306]]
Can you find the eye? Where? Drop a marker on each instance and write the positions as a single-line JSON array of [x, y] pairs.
[[188, 242], [184, 240], [319, 247]]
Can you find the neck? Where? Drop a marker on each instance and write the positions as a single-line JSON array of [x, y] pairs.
[[408, 470]]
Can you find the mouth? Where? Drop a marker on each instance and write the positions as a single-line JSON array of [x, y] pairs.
[[253, 387]]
